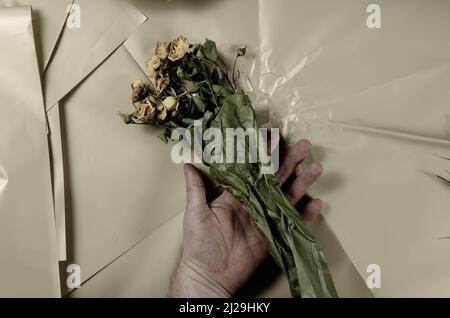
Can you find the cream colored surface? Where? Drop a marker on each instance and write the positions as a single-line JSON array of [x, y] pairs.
[[28, 265], [392, 78], [373, 102], [57, 166], [102, 31], [105, 25], [48, 19], [121, 180], [370, 101], [145, 271]]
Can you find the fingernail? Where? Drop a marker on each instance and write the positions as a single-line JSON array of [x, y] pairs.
[[306, 144], [316, 168]]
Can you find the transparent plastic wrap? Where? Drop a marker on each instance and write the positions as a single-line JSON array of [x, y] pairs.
[[375, 106]]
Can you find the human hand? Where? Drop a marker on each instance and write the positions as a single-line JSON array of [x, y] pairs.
[[222, 248]]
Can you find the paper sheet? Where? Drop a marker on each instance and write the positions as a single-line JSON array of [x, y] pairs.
[[104, 26], [145, 270], [48, 19], [28, 266], [57, 166], [99, 27], [122, 182]]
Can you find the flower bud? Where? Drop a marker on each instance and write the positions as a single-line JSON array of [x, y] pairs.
[[170, 103]]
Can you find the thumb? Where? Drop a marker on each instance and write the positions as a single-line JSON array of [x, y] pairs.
[[195, 188]]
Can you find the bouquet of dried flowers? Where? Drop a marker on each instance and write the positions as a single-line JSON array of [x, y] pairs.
[[190, 83]]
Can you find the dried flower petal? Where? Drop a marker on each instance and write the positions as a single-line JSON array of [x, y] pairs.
[[161, 83], [170, 103], [146, 112], [140, 91], [160, 107], [152, 65], [178, 48], [161, 50]]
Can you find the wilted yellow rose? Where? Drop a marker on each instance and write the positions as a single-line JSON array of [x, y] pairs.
[[146, 112], [161, 50], [170, 103], [152, 65], [161, 84], [139, 92], [178, 48], [137, 83]]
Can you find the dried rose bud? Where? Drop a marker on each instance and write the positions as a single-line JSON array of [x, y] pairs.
[[140, 91], [178, 48], [152, 65], [161, 50], [159, 107], [146, 112], [162, 116], [170, 103], [161, 83]]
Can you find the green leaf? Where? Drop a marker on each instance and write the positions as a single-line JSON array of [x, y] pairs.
[[209, 49], [162, 136], [291, 245], [198, 103], [127, 118], [180, 73]]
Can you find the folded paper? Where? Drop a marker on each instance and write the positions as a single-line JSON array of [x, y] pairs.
[[48, 19], [28, 266], [102, 27], [121, 182], [57, 166]]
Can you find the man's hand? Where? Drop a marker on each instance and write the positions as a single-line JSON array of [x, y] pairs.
[[222, 248]]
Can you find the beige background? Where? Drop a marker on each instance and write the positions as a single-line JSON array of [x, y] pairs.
[[373, 102], [28, 257]]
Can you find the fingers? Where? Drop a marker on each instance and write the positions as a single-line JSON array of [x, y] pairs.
[[298, 188], [294, 157], [311, 211], [195, 188]]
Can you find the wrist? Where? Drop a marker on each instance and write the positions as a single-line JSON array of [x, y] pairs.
[[190, 281]]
